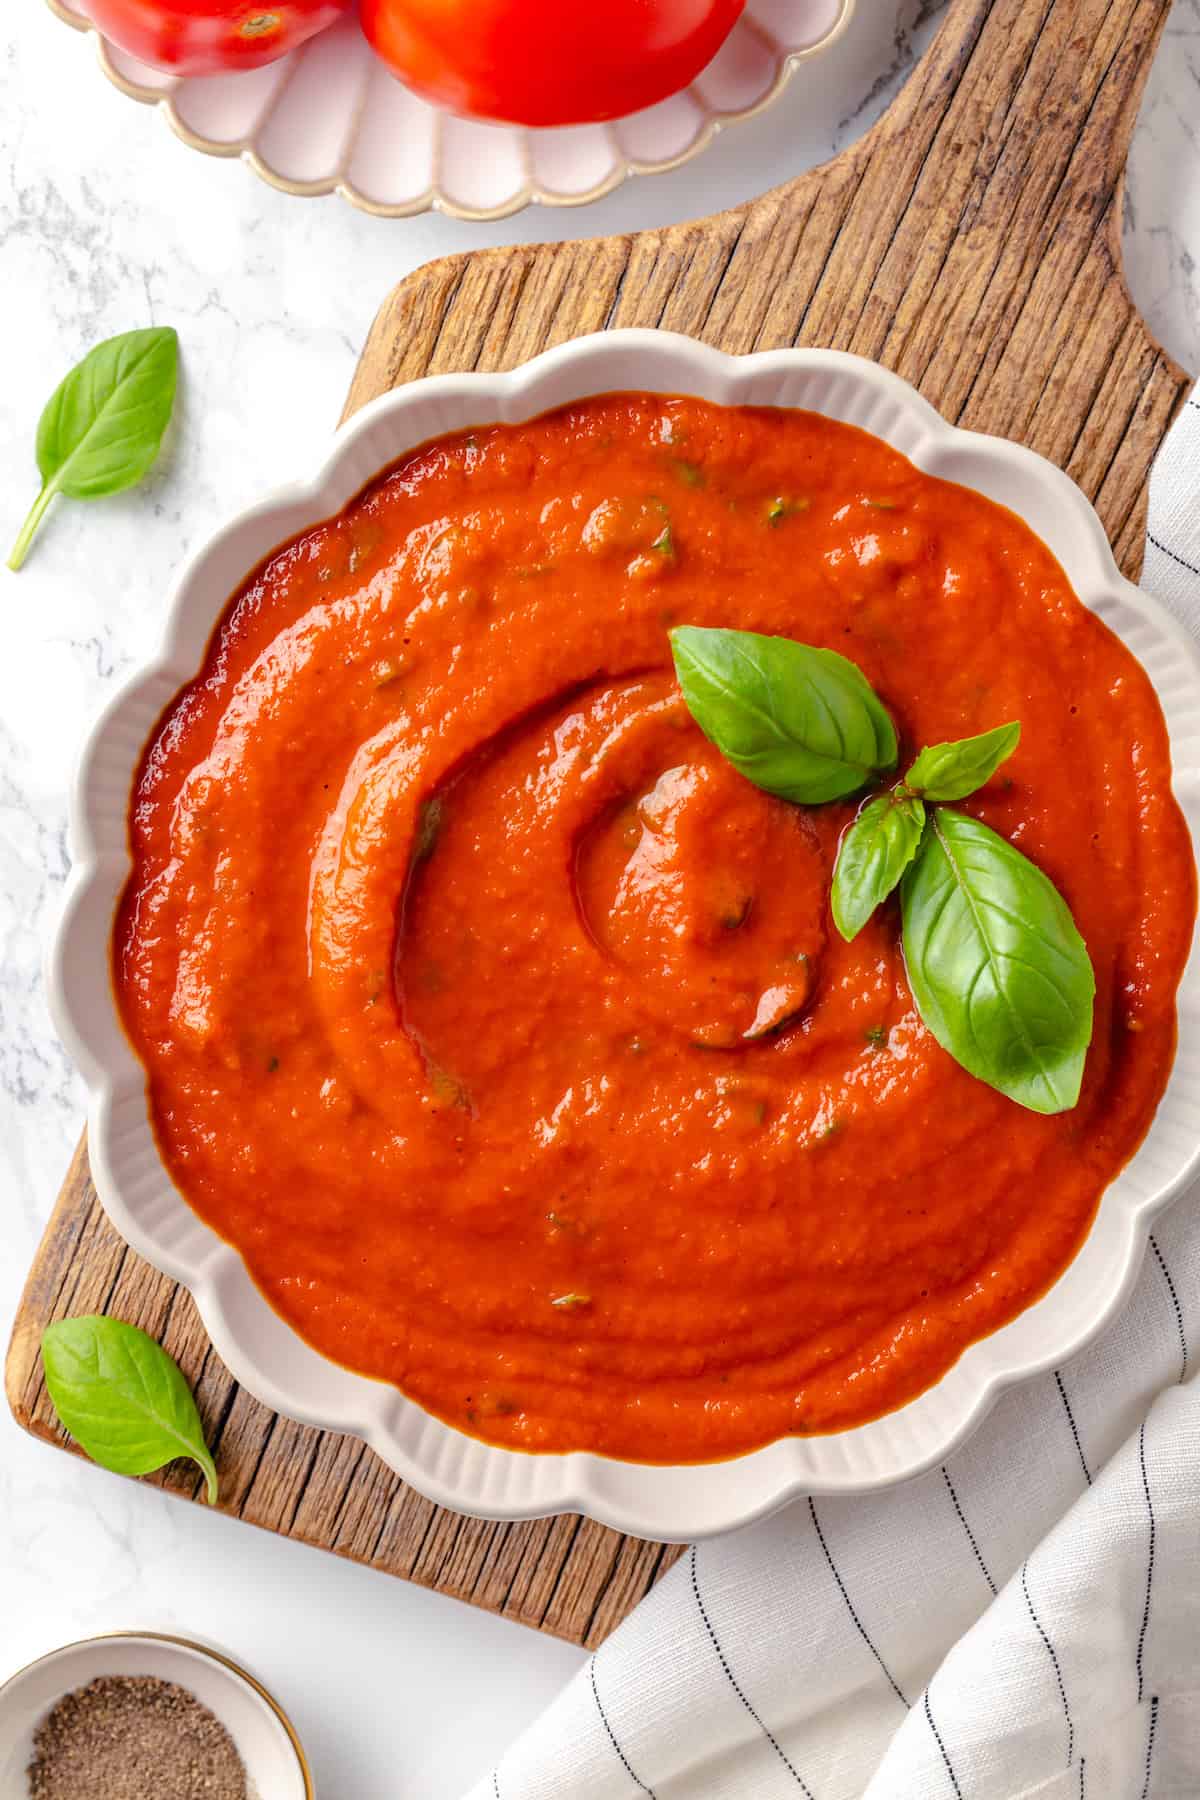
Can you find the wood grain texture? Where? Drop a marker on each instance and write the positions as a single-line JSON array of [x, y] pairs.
[[970, 242]]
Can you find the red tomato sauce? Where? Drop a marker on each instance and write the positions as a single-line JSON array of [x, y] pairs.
[[447, 928]]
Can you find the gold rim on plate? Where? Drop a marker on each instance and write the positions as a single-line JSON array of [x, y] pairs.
[[434, 198], [205, 1650]]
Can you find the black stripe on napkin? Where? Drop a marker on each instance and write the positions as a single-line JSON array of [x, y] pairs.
[[1141, 1643], [1062, 1394], [1190, 567], [970, 1534], [1050, 1651], [612, 1738], [1183, 1347], [1150, 1744], [937, 1736], [858, 1624], [770, 1737]]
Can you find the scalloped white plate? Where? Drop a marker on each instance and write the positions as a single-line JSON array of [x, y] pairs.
[[330, 118], [263, 1352]]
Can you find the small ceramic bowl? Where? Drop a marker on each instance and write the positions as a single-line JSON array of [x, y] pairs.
[[330, 118], [267, 1357], [265, 1738]]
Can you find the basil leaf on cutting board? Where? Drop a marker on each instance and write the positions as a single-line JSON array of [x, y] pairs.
[[799, 722], [103, 425], [952, 771], [872, 856], [997, 967], [122, 1398]]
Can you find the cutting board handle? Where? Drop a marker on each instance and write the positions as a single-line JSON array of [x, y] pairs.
[[1059, 83]]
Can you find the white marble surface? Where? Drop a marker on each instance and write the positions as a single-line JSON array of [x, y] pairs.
[[106, 221]]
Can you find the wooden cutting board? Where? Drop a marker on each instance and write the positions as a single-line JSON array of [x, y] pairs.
[[971, 241]]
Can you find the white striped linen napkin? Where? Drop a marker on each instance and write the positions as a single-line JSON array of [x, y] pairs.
[[1023, 1621]]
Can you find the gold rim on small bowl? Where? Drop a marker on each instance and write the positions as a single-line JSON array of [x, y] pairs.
[[193, 1647]]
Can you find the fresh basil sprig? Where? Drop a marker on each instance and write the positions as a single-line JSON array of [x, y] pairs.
[[802, 723], [998, 970], [122, 1398], [886, 836], [997, 967], [104, 423]]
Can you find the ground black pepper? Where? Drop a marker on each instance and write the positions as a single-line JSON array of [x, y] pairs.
[[133, 1737]]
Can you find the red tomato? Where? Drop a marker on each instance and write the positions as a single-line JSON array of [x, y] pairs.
[[201, 37], [548, 62]]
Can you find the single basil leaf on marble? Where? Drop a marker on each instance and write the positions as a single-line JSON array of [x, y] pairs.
[[996, 964], [103, 425], [122, 1398], [872, 856], [799, 722], [952, 771]]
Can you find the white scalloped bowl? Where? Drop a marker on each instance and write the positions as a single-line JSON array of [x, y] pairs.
[[330, 118], [265, 1355]]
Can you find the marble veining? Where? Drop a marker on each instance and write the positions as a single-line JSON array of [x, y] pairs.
[[107, 221]]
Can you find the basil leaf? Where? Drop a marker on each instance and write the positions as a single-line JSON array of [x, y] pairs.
[[952, 771], [802, 723], [122, 1398], [872, 856], [997, 967], [103, 425]]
